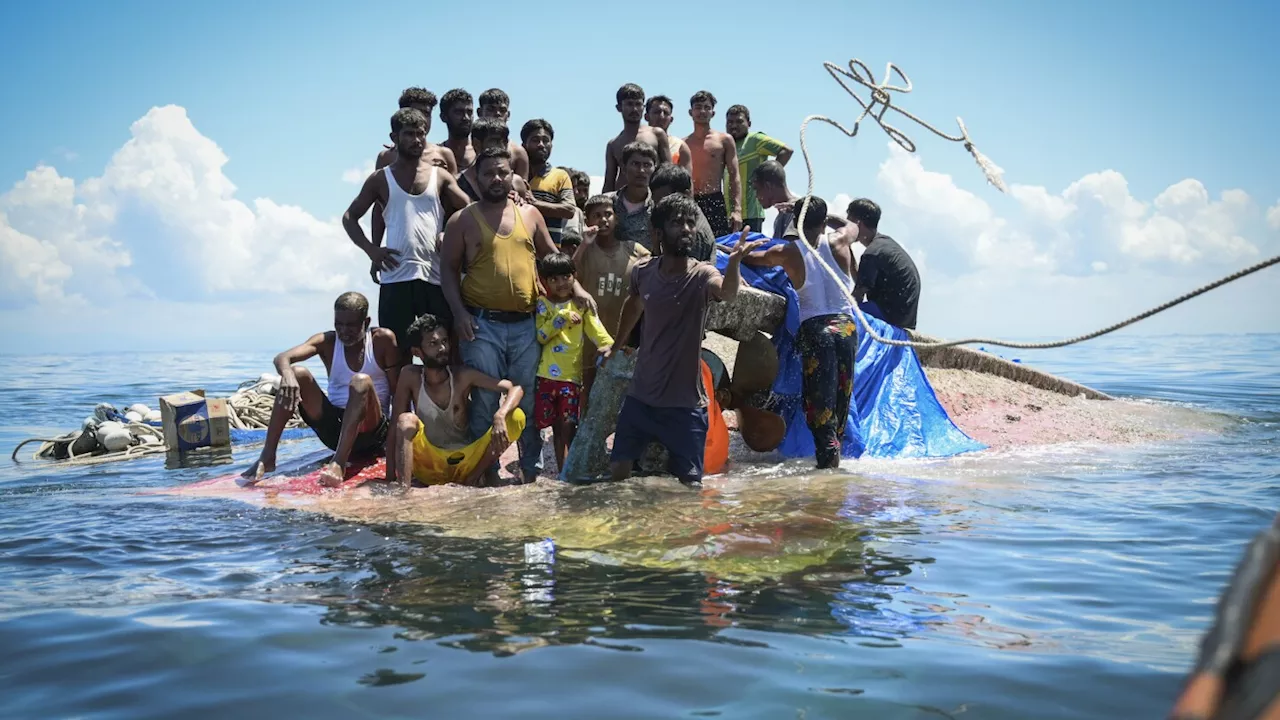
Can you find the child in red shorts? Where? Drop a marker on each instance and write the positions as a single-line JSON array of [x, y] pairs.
[[561, 325]]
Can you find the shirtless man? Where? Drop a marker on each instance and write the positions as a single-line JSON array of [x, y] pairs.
[[363, 365], [457, 113], [714, 152], [496, 104], [429, 441], [658, 113], [631, 106], [414, 199], [424, 101]]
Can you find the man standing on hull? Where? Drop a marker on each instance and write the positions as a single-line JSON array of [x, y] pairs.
[[666, 402], [631, 106], [457, 114], [424, 101], [550, 188], [363, 365], [658, 112], [887, 277], [714, 154], [753, 148], [496, 243], [414, 197]]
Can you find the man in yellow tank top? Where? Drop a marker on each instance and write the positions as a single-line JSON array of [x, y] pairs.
[[489, 254]]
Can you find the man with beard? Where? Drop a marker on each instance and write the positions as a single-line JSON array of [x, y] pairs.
[[496, 104], [429, 441], [658, 112], [550, 188], [496, 243], [416, 198], [457, 113], [630, 105], [363, 365], [487, 132], [666, 401], [753, 148], [424, 101], [714, 153]]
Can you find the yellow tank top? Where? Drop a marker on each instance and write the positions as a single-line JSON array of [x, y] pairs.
[[502, 275]]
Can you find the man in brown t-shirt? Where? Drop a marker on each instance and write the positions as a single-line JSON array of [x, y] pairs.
[[666, 402]]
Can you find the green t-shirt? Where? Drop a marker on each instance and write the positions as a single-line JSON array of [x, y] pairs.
[[753, 150]]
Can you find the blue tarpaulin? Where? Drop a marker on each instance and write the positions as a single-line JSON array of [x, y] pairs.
[[894, 412]]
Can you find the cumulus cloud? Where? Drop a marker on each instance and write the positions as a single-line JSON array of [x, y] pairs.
[[357, 175], [165, 195], [1273, 216]]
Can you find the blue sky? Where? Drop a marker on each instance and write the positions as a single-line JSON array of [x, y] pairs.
[[295, 95]]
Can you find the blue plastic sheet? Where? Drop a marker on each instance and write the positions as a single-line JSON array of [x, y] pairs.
[[894, 413], [242, 437]]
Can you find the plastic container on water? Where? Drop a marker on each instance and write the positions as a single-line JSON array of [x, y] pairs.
[[542, 552]]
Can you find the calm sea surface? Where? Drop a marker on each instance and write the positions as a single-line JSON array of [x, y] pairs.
[[1071, 582]]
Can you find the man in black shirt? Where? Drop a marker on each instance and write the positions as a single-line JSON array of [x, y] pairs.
[[886, 274]]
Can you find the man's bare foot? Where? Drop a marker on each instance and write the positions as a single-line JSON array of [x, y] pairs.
[[332, 475], [250, 477]]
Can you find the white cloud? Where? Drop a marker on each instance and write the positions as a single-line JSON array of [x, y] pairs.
[[1273, 216], [357, 175], [164, 194]]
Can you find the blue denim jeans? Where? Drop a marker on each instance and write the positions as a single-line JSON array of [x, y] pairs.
[[506, 351]]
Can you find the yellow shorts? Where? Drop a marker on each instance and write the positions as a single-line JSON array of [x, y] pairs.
[[433, 466]]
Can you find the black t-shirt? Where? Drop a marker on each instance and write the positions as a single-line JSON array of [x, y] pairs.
[[891, 280]]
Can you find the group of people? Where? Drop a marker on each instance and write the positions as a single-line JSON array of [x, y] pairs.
[[511, 284]]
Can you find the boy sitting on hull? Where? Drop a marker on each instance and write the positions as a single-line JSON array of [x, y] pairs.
[[430, 442], [351, 418]]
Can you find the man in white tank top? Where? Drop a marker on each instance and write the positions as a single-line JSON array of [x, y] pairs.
[[819, 267], [363, 365], [429, 440], [416, 196]]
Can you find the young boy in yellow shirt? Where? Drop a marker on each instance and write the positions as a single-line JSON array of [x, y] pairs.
[[561, 326]]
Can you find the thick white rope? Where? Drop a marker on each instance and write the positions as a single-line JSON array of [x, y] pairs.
[[880, 97]]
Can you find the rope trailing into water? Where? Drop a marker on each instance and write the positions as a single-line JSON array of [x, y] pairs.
[[880, 97]]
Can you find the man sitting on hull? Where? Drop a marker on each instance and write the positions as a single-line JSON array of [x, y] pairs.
[[430, 442], [363, 365]]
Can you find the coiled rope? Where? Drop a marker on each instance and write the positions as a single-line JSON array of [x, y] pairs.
[[881, 103]]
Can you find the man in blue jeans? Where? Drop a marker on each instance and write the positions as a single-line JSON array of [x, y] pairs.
[[496, 244], [666, 402]]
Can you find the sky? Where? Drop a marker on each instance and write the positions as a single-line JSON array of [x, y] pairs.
[[172, 175]]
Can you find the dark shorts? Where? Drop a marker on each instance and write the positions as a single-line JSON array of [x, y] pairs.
[[328, 427], [683, 431], [714, 209], [399, 304], [557, 400], [756, 224]]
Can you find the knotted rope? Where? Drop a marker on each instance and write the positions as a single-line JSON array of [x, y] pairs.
[[881, 103]]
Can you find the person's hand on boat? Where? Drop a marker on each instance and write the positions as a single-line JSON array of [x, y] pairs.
[[288, 393], [609, 351], [500, 441], [384, 258], [464, 327]]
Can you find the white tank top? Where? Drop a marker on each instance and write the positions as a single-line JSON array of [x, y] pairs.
[[340, 375], [413, 230], [825, 292], [438, 422]]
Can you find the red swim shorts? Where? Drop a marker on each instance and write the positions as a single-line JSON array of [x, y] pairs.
[[556, 400]]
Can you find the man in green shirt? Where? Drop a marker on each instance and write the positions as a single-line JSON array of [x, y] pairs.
[[753, 149]]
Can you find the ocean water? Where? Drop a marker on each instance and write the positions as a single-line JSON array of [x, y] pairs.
[[1064, 582]]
